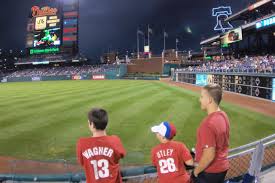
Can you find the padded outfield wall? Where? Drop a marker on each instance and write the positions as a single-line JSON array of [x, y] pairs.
[[256, 85]]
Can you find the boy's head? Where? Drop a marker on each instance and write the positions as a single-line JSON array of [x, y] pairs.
[[98, 119], [210, 95], [164, 131]]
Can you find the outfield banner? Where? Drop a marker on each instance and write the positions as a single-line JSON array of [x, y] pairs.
[[76, 77], [36, 78], [98, 77]]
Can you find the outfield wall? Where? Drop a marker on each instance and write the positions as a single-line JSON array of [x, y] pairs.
[[256, 85]]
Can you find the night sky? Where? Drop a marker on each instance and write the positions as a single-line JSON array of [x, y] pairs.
[[112, 24]]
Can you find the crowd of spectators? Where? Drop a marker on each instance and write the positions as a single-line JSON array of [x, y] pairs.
[[259, 64], [67, 70]]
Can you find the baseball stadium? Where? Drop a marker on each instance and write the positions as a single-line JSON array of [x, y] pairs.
[[47, 92]]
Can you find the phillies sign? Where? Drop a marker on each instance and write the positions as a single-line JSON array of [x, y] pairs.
[[44, 11]]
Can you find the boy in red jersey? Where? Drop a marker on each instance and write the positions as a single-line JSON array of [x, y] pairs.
[[170, 156], [99, 155]]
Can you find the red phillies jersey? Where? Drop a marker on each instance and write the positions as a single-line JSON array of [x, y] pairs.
[[100, 156], [214, 132], [169, 159]]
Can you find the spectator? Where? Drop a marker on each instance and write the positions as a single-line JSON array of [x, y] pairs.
[[99, 155], [247, 64], [170, 156], [212, 139], [67, 70]]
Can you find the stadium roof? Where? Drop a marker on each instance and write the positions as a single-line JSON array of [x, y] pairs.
[[245, 13], [210, 40]]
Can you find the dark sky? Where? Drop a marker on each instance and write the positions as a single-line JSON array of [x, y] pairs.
[[111, 24]]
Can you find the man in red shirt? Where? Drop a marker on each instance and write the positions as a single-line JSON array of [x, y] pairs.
[[170, 156], [99, 155], [212, 139]]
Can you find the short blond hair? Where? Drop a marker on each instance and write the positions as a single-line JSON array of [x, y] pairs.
[[215, 91]]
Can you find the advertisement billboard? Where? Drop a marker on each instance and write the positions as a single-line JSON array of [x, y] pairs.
[[98, 77], [44, 51], [265, 23], [36, 78], [40, 23], [76, 77], [232, 36], [201, 79]]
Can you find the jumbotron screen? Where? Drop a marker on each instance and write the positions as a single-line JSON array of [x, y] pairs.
[[44, 29], [47, 38]]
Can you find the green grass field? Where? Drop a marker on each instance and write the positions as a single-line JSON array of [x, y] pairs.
[[43, 120]]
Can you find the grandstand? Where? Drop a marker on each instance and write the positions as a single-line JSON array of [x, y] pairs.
[[260, 64], [65, 70]]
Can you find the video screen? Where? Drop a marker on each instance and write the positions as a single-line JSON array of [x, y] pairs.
[[47, 37], [232, 36]]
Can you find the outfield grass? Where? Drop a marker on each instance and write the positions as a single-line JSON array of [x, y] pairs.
[[43, 120]]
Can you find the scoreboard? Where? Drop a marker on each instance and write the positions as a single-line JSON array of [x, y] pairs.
[[44, 30], [53, 28]]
